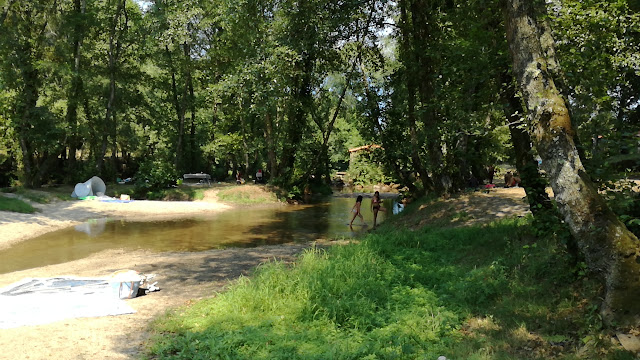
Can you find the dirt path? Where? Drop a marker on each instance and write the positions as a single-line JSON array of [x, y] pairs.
[[183, 277]]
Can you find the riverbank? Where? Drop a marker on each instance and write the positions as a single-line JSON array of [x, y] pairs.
[[415, 288], [183, 277], [16, 227]]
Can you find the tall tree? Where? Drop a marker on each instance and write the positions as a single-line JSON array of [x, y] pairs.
[[28, 36], [75, 89], [610, 250], [117, 25]]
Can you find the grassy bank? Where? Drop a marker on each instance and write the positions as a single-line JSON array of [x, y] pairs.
[[15, 205], [250, 194], [492, 292]]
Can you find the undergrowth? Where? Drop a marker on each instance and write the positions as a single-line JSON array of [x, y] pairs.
[[491, 292]]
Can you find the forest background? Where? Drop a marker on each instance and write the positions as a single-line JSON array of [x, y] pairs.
[[152, 90]]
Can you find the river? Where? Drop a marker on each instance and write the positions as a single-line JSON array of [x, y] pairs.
[[327, 218]]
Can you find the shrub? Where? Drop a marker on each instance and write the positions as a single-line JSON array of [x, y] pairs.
[[154, 175]]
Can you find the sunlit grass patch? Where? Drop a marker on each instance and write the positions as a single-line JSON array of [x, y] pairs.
[[346, 304], [248, 194], [15, 205]]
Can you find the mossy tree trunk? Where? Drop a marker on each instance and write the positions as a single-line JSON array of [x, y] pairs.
[[610, 250], [532, 181]]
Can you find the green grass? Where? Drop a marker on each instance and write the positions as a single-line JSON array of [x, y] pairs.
[[182, 193], [35, 196], [492, 292], [15, 205], [249, 194]]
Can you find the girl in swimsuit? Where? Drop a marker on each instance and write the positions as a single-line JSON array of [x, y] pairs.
[[356, 210], [376, 206]]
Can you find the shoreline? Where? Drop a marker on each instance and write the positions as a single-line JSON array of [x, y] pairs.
[[17, 227], [183, 277]]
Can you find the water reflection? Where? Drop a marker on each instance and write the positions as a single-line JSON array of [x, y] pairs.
[[92, 227], [243, 227]]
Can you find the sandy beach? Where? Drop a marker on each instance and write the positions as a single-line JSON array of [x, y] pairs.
[[15, 227], [182, 277]]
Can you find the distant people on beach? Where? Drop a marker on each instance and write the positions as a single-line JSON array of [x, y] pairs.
[[473, 182], [511, 180], [376, 206], [491, 171], [239, 179], [259, 176]]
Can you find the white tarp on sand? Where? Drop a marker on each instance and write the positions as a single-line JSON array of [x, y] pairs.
[[41, 301]]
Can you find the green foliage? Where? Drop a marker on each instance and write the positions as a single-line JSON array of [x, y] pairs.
[[365, 168], [153, 177], [15, 205], [624, 200]]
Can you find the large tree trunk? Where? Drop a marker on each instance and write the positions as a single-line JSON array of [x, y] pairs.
[[533, 183], [76, 83], [610, 250], [411, 61], [271, 149], [297, 122], [192, 108], [114, 53], [321, 160], [180, 111], [420, 25], [26, 104]]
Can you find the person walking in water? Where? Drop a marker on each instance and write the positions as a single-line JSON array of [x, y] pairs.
[[356, 210], [376, 205]]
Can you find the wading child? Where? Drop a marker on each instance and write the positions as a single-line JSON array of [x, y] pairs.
[[376, 203], [356, 210]]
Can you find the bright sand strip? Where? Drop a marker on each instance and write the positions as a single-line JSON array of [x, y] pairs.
[[15, 227]]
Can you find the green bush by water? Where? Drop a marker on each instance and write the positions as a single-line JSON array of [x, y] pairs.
[[491, 292]]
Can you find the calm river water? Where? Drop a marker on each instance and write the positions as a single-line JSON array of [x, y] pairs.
[[242, 227]]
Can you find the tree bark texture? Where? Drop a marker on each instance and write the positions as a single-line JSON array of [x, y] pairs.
[[532, 181], [610, 250], [412, 64], [180, 111], [420, 35], [114, 53], [26, 102], [76, 82], [271, 149]]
